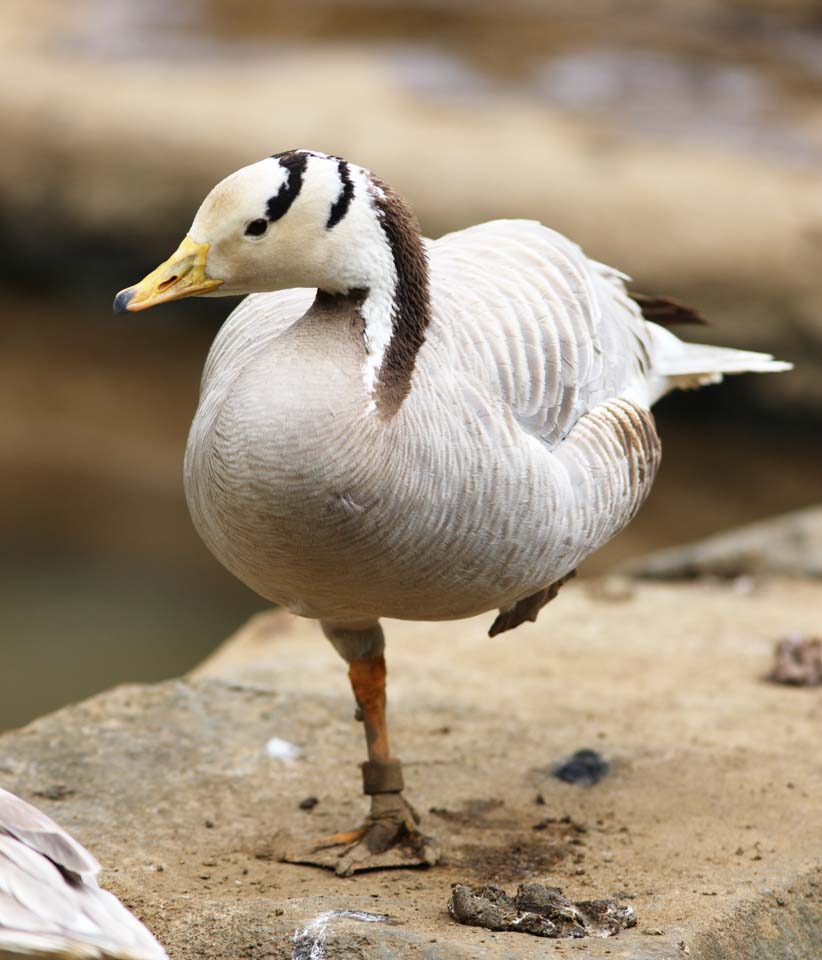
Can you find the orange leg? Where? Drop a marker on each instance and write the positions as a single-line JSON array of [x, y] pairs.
[[381, 773], [389, 836], [367, 678]]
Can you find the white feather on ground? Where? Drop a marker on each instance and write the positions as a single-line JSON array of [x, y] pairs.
[[51, 905]]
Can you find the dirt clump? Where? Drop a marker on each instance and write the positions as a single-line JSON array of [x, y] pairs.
[[539, 910], [798, 661]]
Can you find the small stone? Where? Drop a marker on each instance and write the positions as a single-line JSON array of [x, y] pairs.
[[585, 768], [797, 661], [57, 791]]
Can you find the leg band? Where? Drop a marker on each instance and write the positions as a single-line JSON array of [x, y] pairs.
[[382, 777]]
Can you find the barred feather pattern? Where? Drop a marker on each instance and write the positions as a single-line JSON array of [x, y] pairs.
[[524, 444]]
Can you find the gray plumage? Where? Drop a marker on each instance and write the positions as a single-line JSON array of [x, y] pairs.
[[525, 443]]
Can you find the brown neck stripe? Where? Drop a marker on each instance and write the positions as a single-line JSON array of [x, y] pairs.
[[411, 310]]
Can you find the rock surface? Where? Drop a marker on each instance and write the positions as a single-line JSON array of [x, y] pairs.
[[707, 825], [790, 545]]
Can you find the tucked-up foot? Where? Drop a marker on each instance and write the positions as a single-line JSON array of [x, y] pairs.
[[388, 838]]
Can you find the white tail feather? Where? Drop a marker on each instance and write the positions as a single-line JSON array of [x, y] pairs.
[[702, 358], [681, 365]]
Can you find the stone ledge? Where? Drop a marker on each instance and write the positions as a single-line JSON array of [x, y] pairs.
[[708, 824]]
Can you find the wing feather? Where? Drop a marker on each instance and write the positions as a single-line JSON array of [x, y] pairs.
[[50, 902], [547, 332]]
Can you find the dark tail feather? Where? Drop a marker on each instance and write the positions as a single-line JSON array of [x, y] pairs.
[[666, 312]]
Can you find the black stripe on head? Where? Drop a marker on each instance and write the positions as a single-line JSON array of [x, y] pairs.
[[295, 163], [339, 208]]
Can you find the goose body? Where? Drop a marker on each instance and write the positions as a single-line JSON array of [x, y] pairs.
[[51, 905], [519, 449], [397, 427]]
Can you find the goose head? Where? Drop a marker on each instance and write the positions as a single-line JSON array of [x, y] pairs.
[[305, 219], [297, 219]]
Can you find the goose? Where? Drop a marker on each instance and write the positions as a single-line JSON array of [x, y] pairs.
[[51, 905], [391, 426]]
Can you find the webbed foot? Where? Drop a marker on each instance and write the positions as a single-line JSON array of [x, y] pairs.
[[388, 838]]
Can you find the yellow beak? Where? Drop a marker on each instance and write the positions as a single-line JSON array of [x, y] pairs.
[[182, 275]]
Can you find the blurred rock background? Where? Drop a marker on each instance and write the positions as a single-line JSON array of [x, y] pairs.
[[679, 141]]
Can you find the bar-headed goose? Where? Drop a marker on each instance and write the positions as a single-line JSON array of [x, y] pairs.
[[397, 427], [51, 905]]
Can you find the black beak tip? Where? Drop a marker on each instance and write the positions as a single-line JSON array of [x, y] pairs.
[[122, 300]]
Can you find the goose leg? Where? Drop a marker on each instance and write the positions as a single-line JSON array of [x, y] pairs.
[[389, 837]]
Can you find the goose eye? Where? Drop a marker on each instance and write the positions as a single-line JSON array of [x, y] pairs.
[[256, 228]]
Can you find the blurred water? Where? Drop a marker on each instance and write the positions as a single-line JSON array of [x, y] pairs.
[[753, 83], [76, 622], [679, 98]]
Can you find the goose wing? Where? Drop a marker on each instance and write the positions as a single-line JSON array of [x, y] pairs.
[[549, 333], [50, 902]]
